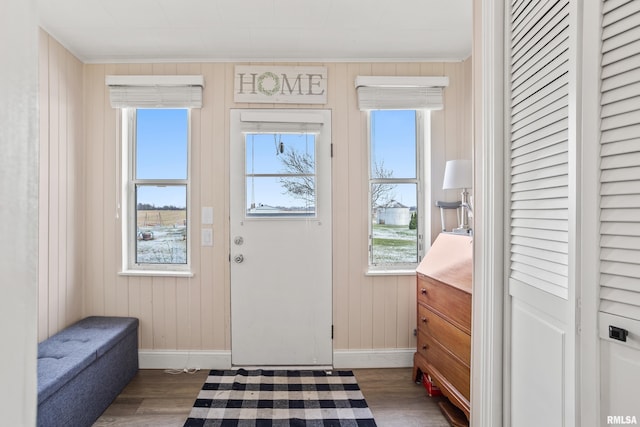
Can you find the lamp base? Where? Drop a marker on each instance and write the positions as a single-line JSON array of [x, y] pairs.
[[461, 230]]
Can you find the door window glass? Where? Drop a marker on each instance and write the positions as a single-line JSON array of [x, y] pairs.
[[280, 175]]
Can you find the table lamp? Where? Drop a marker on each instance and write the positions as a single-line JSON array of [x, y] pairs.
[[457, 175]]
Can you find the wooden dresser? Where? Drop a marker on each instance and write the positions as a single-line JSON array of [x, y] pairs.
[[444, 317]]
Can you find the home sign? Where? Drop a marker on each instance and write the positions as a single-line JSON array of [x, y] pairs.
[[280, 85]]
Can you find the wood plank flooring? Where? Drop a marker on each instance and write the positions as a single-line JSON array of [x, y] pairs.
[[155, 398]]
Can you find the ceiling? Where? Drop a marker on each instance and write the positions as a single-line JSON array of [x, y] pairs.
[[106, 31]]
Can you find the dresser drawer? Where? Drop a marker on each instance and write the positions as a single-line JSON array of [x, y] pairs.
[[450, 336], [448, 366], [449, 302]]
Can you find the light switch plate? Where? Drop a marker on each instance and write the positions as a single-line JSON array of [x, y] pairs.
[[207, 237], [207, 215]]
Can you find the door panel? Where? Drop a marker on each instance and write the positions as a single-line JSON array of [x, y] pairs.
[[280, 238], [542, 212], [619, 290], [620, 370], [537, 369]]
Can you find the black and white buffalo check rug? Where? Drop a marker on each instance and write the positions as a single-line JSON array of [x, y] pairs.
[[279, 398]]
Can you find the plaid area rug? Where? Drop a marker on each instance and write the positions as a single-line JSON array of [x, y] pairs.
[[263, 398]]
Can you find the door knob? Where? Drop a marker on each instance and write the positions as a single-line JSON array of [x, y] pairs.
[[238, 258]]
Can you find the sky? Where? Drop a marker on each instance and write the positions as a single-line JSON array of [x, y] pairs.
[[161, 138], [263, 156], [162, 153]]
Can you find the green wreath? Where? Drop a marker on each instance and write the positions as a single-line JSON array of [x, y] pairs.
[[276, 86]]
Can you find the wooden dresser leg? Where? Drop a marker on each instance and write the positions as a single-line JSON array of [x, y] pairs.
[[454, 415]]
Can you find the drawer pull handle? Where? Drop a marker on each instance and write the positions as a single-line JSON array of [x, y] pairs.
[[423, 291], [424, 319], [425, 347]]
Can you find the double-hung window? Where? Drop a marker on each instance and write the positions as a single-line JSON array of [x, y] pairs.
[[399, 128], [396, 140], [156, 112], [157, 190]]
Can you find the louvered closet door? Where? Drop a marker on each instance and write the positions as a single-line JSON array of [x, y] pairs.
[[540, 61], [620, 208]]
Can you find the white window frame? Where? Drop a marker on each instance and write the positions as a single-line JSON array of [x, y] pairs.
[[423, 126], [129, 265]]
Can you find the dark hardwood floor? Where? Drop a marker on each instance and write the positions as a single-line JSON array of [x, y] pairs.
[[155, 398]]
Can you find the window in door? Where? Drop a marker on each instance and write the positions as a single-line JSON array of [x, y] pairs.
[[280, 176]]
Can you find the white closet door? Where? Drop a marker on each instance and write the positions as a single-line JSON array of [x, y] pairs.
[[620, 210], [541, 199]]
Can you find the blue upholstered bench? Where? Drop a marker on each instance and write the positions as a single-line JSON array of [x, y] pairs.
[[82, 369]]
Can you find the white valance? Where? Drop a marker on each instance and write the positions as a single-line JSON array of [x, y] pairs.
[[155, 91], [281, 121], [400, 93]]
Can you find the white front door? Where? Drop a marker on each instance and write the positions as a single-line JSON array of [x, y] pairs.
[[280, 217]]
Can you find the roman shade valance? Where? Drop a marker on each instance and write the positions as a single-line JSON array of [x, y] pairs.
[[400, 93], [280, 121], [155, 91]]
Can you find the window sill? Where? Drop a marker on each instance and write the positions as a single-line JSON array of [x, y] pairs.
[[399, 272], [156, 273]]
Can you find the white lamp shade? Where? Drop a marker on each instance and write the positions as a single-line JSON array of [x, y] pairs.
[[457, 174]]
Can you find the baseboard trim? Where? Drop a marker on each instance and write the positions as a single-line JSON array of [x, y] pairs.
[[342, 359], [177, 359], [381, 358]]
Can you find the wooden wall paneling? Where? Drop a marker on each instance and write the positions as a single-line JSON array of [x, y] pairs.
[[367, 313], [219, 143], [43, 193], [357, 233], [391, 312], [159, 314], [452, 148], [146, 314], [405, 309], [207, 182], [94, 234], [63, 179], [61, 127], [170, 290], [379, 285], [408, 69], [109, 231], [189, 310], [75, 203], [184, 325], [135, 304], [54, 185], [432, 68], [338, 94], [216, 306]]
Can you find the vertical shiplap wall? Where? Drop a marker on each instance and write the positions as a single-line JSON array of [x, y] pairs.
[[61, 189], [193, 313]]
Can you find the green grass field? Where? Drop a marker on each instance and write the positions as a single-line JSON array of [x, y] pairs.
[[394, 244]]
